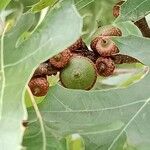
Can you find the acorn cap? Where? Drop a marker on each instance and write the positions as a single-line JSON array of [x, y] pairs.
[[45, 69], [107, 30], [61, 60], [87, 53], [79, 44], [41, 70], [116, 9], [104, 46], [105, 66], [79, 74], [39, 86]]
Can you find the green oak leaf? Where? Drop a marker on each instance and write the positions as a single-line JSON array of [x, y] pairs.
[[134, 10], [19, 61], [95, 13], [3, 4], [43, 4], [98, 116], [128, 28], [135, 46], [124, 76]]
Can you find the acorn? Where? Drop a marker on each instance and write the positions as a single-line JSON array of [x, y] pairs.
[[105, 66], [78, 45], [104, 46], [51, 70], [108, 30], [61, 60], [116, 9], [79, 74], [91, 55], [39, 86], [87, 53], [41, 70], [45, 69]]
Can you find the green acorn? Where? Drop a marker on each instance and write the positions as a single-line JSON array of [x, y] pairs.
[[79, 74]]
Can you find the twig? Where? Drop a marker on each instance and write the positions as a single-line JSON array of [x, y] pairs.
[[143, 26]]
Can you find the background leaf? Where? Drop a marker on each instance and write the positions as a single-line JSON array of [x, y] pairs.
[[137, 47], [43, 4], [20, 61], [95, 13], [4, 3], [134, 10]]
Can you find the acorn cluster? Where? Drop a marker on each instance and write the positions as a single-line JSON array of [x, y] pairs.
[[78, 65]]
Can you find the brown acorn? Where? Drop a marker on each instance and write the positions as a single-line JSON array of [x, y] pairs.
[[45, 69], [51, 70], [87, 53], [61, 60], [78, 45], [107, 30], [116, 9], [104, 46], [91, 55], [39, 86], [41, 70], [105, 66]]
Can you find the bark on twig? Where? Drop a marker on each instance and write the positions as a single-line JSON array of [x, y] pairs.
[[143, 26]]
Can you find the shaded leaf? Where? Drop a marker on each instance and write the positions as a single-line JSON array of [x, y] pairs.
[[17, 63]]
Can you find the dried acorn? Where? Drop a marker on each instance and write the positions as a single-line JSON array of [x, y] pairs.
[[104, 46], [39, 86], [105, 66], [87, 53], [91, 55], [116, 9], [41, 70], [45, 69], [108, 30], [61, 60], [78, 45], [79, 74]]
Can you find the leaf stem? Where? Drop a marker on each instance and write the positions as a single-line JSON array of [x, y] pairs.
[[39, 116], [2, 68]]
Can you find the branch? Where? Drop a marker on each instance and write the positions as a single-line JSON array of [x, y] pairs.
[[143, 26]]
